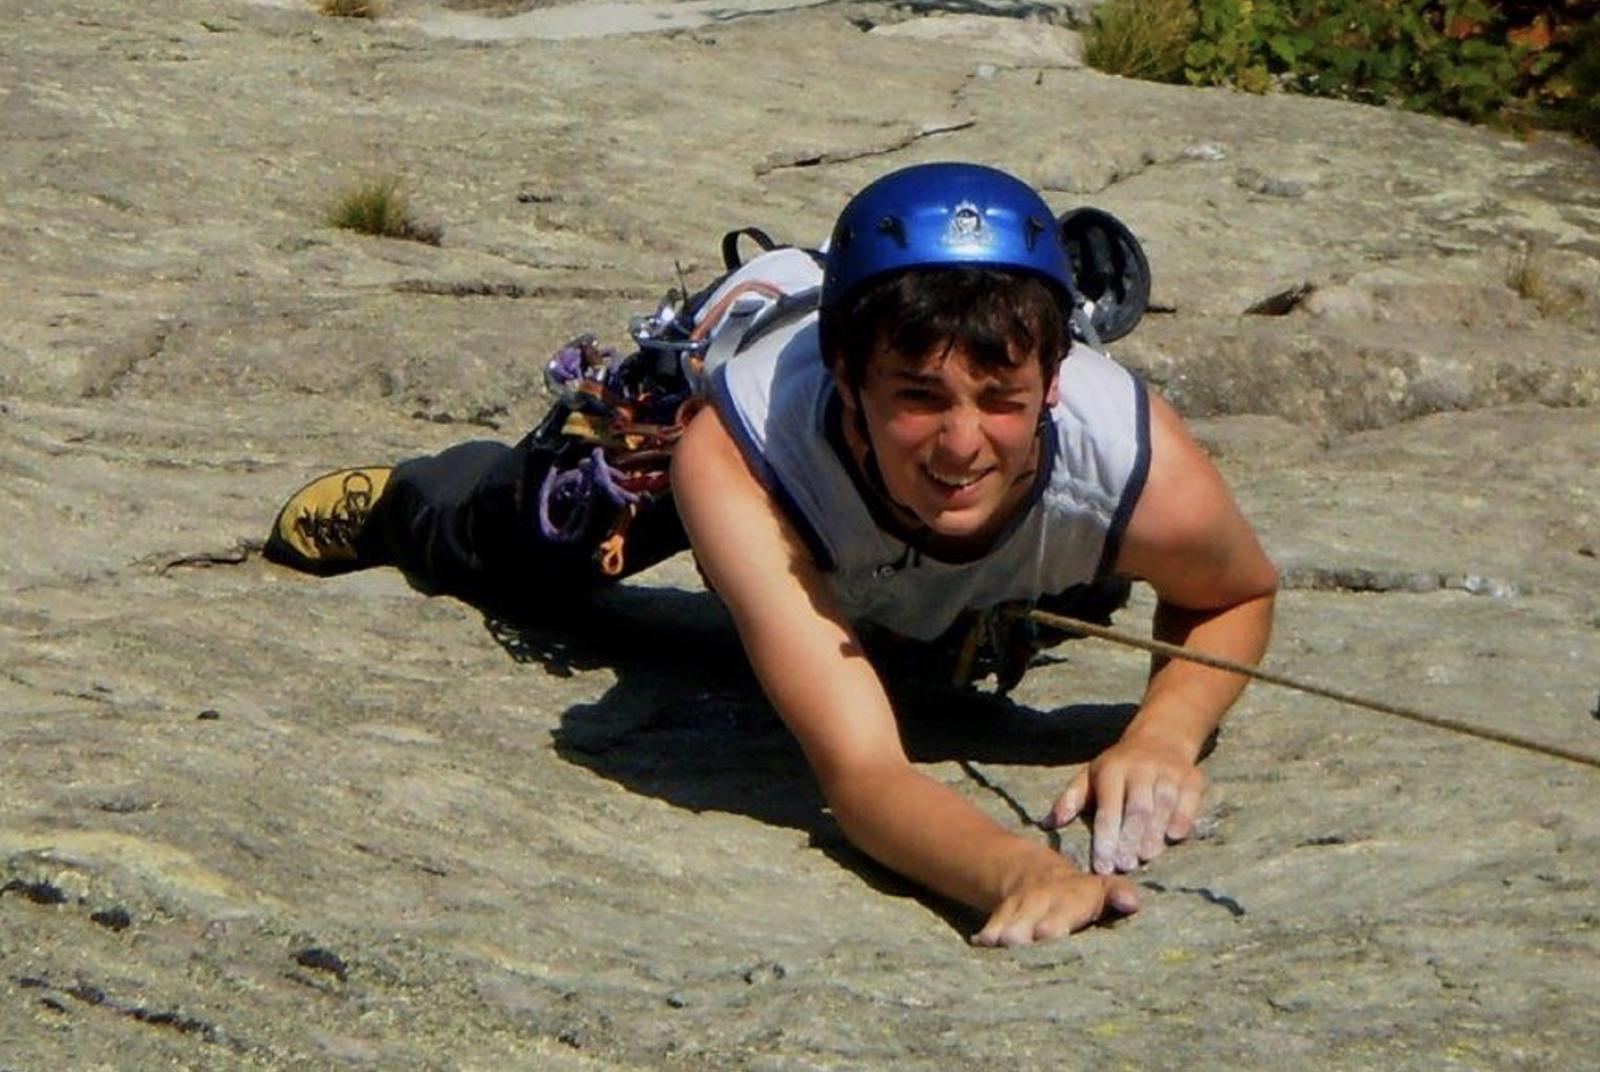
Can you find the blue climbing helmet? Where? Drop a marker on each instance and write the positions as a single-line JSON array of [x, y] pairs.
[[944, 215]]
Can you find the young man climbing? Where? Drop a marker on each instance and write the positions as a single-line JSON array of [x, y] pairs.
[[920, 443]]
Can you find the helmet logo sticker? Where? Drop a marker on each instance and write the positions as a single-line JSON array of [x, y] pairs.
[[966, 227]]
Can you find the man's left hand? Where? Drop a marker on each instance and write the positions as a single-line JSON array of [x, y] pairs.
[[1144, 794]]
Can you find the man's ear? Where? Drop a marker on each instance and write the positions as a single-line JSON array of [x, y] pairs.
[[847, 393], [1052, 390]]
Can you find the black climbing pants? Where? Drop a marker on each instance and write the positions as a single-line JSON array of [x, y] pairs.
[[464, 522]]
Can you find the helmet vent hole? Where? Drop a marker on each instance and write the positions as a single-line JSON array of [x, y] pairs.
[[894, 227], [1032, 230]]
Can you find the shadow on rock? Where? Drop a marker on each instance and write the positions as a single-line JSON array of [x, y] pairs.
[[686, 721]]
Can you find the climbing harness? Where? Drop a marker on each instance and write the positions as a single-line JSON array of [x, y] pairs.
[[616, 419]]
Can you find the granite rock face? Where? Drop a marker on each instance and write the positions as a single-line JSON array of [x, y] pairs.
[[250, 819]]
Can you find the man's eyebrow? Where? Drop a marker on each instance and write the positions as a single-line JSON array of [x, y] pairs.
[[929, 379], [913, 376]]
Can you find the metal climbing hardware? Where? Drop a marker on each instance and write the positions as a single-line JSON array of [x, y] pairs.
[[616, 419]]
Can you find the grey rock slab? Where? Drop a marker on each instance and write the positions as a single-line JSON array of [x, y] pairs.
[[522, 844], [586, 19], [1031, 44]]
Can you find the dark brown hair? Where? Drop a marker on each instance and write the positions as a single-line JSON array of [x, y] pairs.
[[924, 312]]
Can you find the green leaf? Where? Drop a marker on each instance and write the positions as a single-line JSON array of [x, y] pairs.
[[1200, 54]]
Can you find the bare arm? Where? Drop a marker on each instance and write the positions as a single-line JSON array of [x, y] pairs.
[[813, 670], [1215, 588]]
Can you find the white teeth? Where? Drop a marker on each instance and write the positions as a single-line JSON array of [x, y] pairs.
[[953, 481]]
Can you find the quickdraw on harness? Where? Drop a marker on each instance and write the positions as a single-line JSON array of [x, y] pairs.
[[617, 419]]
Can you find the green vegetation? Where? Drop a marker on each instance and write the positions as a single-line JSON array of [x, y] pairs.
[[1236, 41], [1517, 63], [377, 207], [1141, 38]]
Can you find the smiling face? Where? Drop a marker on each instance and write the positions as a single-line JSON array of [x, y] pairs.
[[956, 443]]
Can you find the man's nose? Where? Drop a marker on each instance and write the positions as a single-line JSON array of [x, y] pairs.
[[961, 435]]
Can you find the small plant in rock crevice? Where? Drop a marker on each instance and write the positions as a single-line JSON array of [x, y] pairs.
[[377, 207], [1529, 275], [1142, 39], [350, 9]]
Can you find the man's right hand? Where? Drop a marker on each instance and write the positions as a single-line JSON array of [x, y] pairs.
[[1050, 899]]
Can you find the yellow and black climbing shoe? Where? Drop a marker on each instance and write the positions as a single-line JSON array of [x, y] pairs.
[[317, 528]]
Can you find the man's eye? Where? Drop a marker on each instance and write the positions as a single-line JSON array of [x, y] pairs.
[[917, 396], [1005, 404]]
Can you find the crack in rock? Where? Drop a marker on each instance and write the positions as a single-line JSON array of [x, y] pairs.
[[500, 288], [97, 694], [1205, 893], [236, 556], [818, 157], [172, 1018], [1283, 302], [149, 348], [1356, 579], [1124, 168]]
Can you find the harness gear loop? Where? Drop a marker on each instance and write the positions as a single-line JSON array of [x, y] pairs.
[[610, 554]]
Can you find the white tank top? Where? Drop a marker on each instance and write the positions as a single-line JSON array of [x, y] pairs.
[[779, 402]]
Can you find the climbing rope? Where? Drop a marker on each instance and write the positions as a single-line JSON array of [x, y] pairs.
[[1175, 651]]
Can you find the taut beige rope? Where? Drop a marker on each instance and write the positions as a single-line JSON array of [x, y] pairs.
[[1175, 651]]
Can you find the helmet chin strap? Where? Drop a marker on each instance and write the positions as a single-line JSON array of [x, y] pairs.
[[869, 460]]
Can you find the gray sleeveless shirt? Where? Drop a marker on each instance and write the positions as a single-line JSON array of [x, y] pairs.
[[779, 402]]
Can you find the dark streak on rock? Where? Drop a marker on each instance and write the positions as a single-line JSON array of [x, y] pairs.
[[1283, 302], [238, 554], [1221, 900], [502, 288], [122, 804], [425, 866], [187, 1025], [1356, 579], [88, 994], [116, 919], [323, 960], [93, 995], [1010, 801], [484, 416], [202, 559], [41, 892]]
